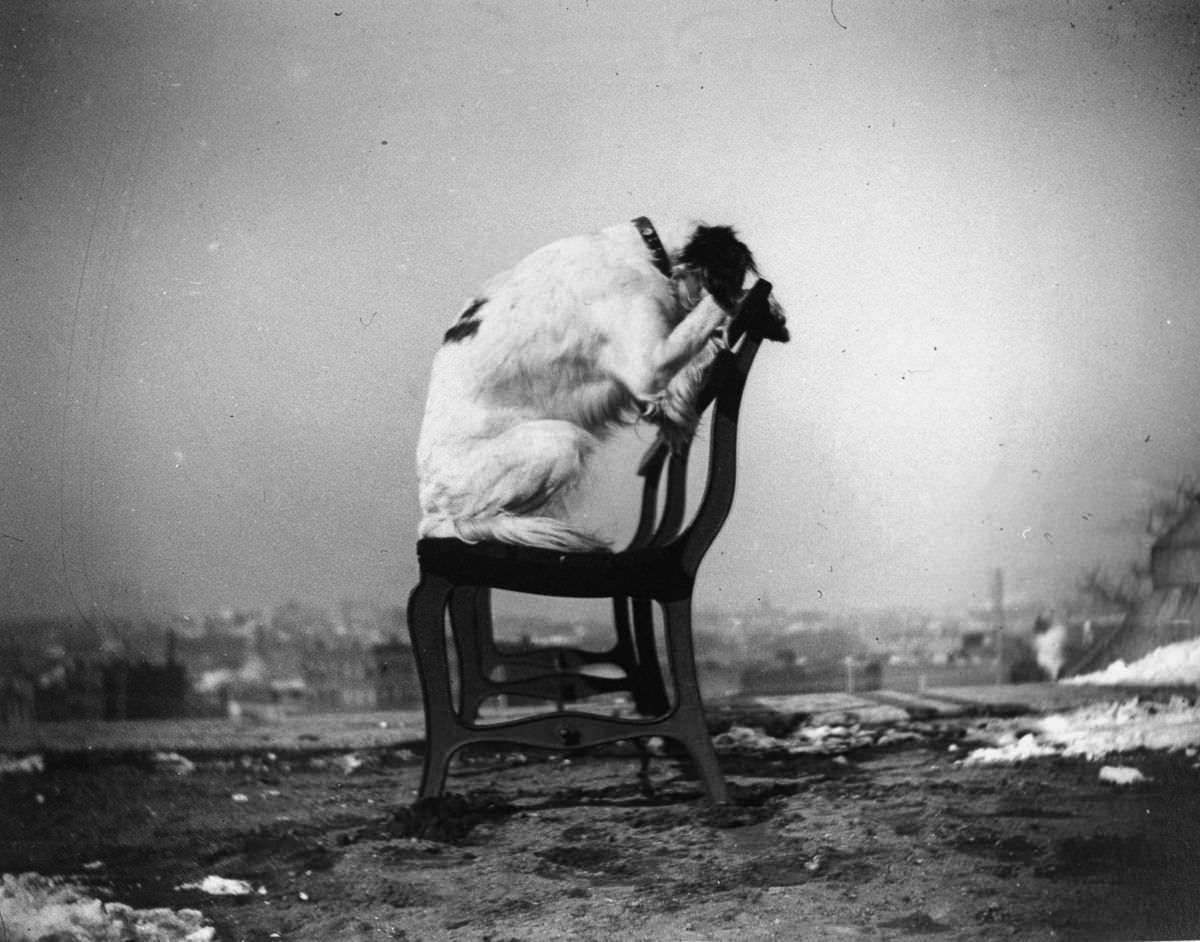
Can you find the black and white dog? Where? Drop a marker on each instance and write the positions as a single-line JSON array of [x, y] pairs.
[[579, 337]]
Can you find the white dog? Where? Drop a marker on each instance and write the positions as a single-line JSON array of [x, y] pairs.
[[580, 336]]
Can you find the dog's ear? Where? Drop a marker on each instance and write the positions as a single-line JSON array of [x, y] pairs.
[[723, 260]]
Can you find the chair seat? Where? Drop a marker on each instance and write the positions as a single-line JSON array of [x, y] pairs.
[[646, 573]]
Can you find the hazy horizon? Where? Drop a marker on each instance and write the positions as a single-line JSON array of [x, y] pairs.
[[233, 235]]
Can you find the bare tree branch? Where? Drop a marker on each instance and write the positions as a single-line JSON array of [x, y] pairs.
[[1132, 586]]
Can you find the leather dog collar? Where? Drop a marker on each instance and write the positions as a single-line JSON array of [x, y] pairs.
[[658, 254]]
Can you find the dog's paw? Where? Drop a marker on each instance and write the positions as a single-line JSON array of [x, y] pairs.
[[675, 420]]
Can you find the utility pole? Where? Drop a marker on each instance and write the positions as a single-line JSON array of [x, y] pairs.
[[998, 621]]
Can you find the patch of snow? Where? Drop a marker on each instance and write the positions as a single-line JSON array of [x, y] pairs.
[[819, 739], [219, 886], [26, 765], [1098, 729], [1121, 775], [349, 762], [43, 909], [1175, 664], [745, 739], [1010, 749], [173, 762], [1094, 731]]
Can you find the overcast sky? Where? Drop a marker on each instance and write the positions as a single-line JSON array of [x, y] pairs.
[[234, 232]]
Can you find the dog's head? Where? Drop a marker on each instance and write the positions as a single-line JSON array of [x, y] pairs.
[[722, 261]]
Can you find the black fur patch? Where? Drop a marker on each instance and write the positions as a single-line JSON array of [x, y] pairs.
[[724, 260], [467, 322]]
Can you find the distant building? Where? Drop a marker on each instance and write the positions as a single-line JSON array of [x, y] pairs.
[[395, 672], [975, 646], [145, 691], [17, 703], [337, 675], [822, 676], [71, 689]]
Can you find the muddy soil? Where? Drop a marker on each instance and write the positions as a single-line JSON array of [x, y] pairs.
[[901, 842]]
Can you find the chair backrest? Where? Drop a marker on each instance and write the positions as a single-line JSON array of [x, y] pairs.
[[722, 391]]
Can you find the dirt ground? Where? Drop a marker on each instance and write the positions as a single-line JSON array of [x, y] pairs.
[[899, 841]]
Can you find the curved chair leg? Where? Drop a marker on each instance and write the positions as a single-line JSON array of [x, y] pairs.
[[689, 707], [435, 767], [427, 628]]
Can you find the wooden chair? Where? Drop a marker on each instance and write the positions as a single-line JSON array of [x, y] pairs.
[[658, 566]]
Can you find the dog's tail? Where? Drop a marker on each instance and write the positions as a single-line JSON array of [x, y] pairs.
[[546, 532]]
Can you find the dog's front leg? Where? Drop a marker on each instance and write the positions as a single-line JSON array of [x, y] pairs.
[[663, 372], [686, 340], [674, 410]]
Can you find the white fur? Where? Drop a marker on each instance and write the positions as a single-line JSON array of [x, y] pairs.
[[575, 339]]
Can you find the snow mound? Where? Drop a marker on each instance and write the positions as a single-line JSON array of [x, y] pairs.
[[1093, 732], [219, 886], [42, 909], [26, 765], [1010, 749], [1121, 775], [1175, 664]]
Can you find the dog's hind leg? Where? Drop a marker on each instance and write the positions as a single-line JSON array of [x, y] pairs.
[[518, 485]]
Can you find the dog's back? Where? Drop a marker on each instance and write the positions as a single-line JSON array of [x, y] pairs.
[[534, 372]]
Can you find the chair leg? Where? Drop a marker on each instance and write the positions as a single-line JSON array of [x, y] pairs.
[[650, 693], [689, 718], [427, 629], [471, 623], [624, 652], [435, 767]]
